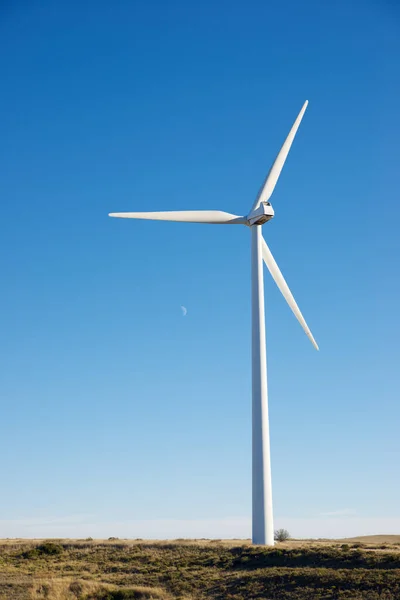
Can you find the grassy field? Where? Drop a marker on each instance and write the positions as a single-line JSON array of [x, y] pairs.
[[361, 568]]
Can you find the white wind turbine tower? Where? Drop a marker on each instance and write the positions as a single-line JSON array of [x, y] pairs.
[[261, 212]]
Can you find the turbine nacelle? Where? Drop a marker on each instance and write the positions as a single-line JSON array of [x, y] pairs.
[[261, 215]]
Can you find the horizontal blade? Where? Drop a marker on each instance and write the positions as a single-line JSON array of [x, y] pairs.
[[283, 286], [273, 175], [186, 216]]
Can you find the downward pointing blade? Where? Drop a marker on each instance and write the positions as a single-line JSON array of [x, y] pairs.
[[275, 171], [186, 216], [283, 286]]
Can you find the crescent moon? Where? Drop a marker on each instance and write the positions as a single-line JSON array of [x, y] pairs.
[[184, 311]]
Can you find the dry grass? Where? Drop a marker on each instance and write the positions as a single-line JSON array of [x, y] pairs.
[[229, 543], [73, 589], [362, 568]]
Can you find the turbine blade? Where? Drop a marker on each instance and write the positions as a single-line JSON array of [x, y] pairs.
[[274, 172], [186, 216], [283, 286]]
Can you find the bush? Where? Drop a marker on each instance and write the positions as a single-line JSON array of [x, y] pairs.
[[49, 548], [281, 535], [345, 546], [45, 549]]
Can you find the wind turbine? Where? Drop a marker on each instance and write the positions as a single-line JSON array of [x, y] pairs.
[[261, 212]]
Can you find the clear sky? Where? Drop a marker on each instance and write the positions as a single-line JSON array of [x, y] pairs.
[[119, 415]]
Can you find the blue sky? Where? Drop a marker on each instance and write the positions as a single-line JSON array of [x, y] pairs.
[[118, 413]]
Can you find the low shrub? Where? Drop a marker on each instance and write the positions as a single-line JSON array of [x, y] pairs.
[[45, 549], [49, 549]]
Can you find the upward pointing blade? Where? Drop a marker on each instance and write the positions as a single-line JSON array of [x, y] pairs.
[[284, 288], [186, 216], [273, 175]]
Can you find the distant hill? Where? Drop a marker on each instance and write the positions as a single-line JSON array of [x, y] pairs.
[[374, 539]]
